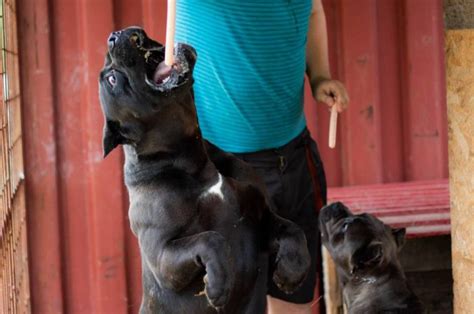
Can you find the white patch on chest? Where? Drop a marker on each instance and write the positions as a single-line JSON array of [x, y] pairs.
[[215, 189]]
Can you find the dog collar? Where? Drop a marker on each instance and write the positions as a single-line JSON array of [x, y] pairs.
[[369, 280]]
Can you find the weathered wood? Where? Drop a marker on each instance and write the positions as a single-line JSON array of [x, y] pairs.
[[460, 91], [332, 290]]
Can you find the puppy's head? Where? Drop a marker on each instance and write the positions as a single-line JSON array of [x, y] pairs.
[[135, 84], [359, 244]]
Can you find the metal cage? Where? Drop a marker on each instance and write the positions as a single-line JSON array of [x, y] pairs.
[[14, 285]]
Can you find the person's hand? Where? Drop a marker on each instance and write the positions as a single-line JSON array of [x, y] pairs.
[[332, 93]]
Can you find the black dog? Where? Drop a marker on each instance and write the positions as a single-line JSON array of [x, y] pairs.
[[201, 216], [365, 252]]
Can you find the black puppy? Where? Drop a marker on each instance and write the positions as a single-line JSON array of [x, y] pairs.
[[202, 217], [365, 252]]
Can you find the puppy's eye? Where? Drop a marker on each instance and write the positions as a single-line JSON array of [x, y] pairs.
[[136, 40], [344, 227], [112, 80]]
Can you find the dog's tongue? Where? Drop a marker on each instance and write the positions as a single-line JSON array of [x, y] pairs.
[[162, 72]]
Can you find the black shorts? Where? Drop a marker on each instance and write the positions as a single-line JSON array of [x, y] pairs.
[[295, 180]]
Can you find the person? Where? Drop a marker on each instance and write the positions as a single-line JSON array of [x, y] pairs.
[[249, 81]]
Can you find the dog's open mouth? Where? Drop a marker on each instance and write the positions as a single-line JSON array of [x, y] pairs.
[[133, 52], [161, 76]]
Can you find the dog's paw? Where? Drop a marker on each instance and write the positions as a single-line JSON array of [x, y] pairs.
[[216, 258], [217, 290], [291, 265]]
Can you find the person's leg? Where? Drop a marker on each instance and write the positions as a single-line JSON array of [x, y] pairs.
[[275, 305], [304, 186]]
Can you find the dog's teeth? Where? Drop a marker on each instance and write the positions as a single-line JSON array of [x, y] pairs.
[[166, 79]]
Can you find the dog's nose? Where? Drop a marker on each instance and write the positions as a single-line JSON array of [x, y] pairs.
[[351, 219], [113, 38], [333, 211]]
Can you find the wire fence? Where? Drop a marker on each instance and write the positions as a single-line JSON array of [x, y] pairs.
[[14, 285]]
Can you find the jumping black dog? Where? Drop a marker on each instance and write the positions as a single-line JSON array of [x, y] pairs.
[[365, 252], [202, 216]]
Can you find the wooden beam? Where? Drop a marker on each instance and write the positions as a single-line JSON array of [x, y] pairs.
[[460, 88]]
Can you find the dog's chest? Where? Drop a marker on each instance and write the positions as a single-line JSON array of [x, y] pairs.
[[215, 190], [183, 205]]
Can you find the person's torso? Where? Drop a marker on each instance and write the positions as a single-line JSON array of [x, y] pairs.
[[249, 75]]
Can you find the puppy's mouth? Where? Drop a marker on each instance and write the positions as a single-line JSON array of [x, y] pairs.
[[161, 76], [333, 213], [331, 221]]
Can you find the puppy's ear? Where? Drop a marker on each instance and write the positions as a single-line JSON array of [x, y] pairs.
[[111, 137], [366, 257], [399, 235]]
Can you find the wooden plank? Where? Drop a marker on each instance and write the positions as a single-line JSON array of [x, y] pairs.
[[428, 231], [332, 289], [460, 87], [424, 105], [362, 145], [105, 177], [154, 19], [127, 13], [417, 220], [69, 68], [404, 211], [40, 158], [420, 184], [388, 39]]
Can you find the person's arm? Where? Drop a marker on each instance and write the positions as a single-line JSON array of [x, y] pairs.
[[331, 92]]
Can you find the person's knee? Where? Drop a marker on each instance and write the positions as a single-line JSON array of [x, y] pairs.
[[277, 306]]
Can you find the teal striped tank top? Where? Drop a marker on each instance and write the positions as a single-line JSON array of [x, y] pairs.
[[249, 74]]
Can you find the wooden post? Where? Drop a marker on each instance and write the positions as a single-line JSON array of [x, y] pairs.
[[332, 290], [460, 101], [459, 19]]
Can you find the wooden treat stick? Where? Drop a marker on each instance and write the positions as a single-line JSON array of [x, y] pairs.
[[333, 127], [170, 28]]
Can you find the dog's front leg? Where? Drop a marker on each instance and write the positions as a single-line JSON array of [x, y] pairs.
[[284, 239], [177, 263], [287, 243]]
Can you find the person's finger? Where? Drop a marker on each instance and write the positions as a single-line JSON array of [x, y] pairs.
[[328, 100], [341, 97], [344, 97], [333, 93], [322, 93]]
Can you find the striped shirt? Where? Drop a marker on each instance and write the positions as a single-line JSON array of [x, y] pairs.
[[249, 75]]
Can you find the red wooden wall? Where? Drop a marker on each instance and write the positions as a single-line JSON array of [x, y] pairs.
[[389, 54], [83, 258]]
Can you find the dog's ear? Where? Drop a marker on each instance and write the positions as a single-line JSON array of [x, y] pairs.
[[111, 137], [366, 257], [399, 235], [116, 133]]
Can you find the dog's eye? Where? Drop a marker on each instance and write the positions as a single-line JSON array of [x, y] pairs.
[[136, 39], [112, 80], [344, 227]]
